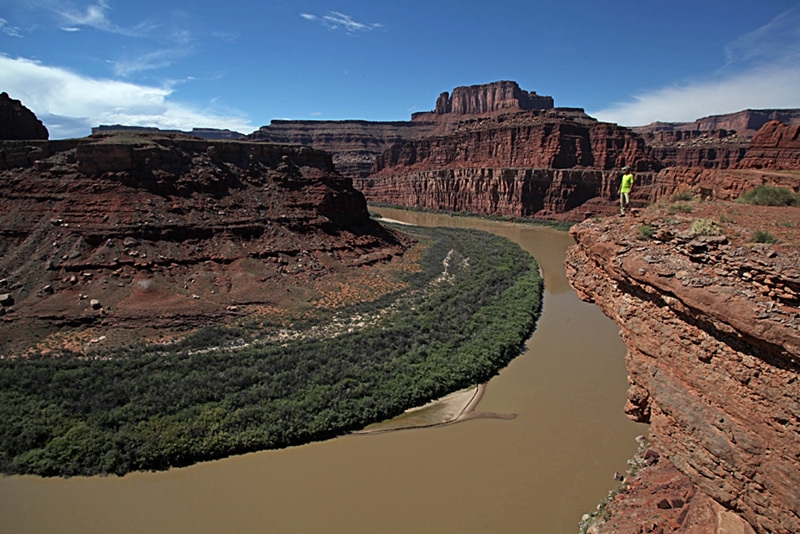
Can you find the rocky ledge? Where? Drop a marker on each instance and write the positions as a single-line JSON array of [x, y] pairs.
[[711, 322]]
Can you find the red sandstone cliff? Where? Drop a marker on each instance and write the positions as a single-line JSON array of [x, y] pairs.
[[539, 163], [712, 327], [18, 122]]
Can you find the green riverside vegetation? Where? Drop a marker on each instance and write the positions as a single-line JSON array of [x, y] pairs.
[[230, 390]]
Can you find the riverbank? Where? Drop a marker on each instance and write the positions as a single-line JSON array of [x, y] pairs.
[[469, 301]]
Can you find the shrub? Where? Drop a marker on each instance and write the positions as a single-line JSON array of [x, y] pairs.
[[647, 230], [761, 236], [705, 227], [769, 195], [681, 196]]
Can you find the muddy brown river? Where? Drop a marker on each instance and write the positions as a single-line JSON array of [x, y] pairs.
[[536, 473]]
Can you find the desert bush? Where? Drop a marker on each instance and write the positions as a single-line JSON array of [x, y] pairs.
[[762, 236], [647, 230], [681, 196], [705, 227], [769, 195]]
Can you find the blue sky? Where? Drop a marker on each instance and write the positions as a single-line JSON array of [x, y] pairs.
[[238, 65]]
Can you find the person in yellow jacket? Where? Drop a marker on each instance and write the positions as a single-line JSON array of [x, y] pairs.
[[625, 189]]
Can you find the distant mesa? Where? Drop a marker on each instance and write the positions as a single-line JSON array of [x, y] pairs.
[[18, 122], [204, 133], [745, 123]]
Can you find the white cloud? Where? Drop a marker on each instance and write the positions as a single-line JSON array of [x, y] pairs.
[[94, 16], [69, 104], [335, 20], [762, 71], [764, 88]]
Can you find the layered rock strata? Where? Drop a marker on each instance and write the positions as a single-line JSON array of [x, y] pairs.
[[556, 194], [353, 144], [715, 149], [356, 144], [712, 328], [544, 164], [167, 230]]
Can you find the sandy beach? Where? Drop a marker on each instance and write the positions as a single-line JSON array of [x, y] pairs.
[[450, 409]]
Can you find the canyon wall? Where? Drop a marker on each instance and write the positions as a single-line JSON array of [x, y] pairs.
[[555, 164], [556, 194], [714, 149], [712, 328]]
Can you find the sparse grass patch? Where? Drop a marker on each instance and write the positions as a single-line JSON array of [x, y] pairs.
[[680, 207], [724, 219], [769, 195]]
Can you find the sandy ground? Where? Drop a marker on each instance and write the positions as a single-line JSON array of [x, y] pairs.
[[454, 408]]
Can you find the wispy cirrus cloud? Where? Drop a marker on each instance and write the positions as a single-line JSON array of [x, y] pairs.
[[69, 104], [157, 59], [12, 31], [335, 20], [761, 71], [95, 16], [778, 39]]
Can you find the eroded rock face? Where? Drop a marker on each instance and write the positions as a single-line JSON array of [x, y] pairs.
[[171, 230], [712, 327], [18, 122], [775, 146]]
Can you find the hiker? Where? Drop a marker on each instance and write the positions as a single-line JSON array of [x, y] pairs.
[[625, 189]]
